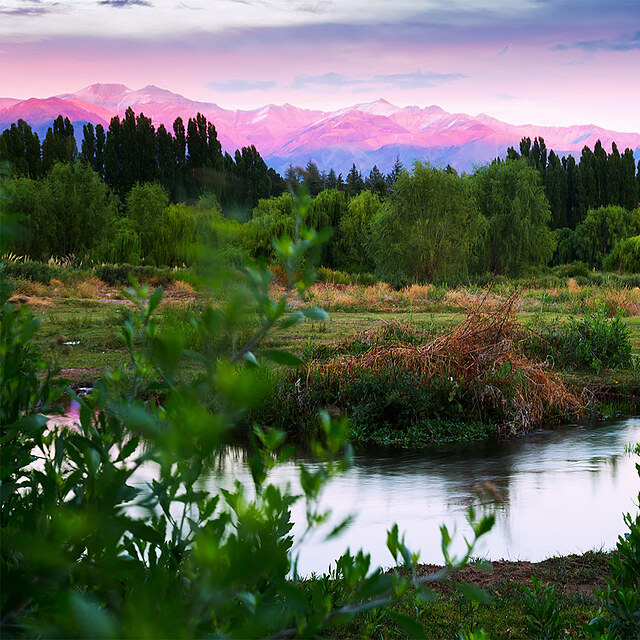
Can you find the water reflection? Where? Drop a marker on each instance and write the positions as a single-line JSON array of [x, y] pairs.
[[564, 492]]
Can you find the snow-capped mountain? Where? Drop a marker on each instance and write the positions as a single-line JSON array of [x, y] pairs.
[[367, 134]]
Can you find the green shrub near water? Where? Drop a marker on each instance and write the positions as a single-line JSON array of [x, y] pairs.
[[620, 599], [92, 550], [592, 342], [394, 408]]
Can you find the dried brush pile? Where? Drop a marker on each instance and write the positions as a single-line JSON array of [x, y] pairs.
[[483, 360]]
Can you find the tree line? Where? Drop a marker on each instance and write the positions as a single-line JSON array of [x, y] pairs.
[[139, 195], [186, 162]]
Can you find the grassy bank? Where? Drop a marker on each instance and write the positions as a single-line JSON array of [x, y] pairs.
[[368, 363], [509, 610]]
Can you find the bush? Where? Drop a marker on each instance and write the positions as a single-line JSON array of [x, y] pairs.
[[332, 276], [90, 548], [620, 599], [595, 342], [625, 256], [118, 274], [33, 271]]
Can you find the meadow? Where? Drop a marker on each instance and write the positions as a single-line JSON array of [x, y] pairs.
[[81, 317]]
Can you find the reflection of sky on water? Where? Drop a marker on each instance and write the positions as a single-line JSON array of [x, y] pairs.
[[564, 492]]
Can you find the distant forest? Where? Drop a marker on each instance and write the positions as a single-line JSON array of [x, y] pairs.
[[136, 194]]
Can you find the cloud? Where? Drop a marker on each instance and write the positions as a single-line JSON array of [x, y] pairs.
[[414, 80], [417, 79], [119, 4], [237, 85], [317, 6], [504, 96], [621, 43], [31, 9], [329, 80], [503, 50]]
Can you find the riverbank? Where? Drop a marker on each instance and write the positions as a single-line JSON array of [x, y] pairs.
[[363, 364], [506, 615]]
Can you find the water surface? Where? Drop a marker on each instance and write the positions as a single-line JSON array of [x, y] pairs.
[[564, 491]]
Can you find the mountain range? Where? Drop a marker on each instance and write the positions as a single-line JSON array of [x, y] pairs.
[[367, 134]]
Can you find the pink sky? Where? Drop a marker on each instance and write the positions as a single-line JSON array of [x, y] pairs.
[[561, 63]]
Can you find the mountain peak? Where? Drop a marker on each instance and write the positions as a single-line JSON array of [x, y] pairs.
[[379, 107], [368, 133], [108, 95]]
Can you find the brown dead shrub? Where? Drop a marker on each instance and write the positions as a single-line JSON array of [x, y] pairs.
[[484, 355]]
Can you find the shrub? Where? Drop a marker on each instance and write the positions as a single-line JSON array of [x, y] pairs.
[[619, 615], [545, 620], [595, 342], [34, 271], [625, 256], [93, 549]]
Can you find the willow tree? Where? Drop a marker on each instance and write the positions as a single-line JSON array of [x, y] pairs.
[[145, 206], [353, 243], [512, 199], [429, 228], [601, 229]]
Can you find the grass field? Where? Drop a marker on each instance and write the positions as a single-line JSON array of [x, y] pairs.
[[83, 334], [506, 615]]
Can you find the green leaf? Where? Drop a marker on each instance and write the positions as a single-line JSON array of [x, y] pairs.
[[128, 448], [143, 531], [412, 628], [282, 357], [154, 300], [340, 527], [474, 592], [315, 313]]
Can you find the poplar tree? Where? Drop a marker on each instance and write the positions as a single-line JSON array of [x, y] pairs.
[[59, 144], [20, 146]]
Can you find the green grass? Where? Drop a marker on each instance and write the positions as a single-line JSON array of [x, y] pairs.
[[95, 324], [574, 578]]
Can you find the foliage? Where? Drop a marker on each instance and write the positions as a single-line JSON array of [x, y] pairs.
[[597, 234], [619, 615], [145, 205], [68, 211], [545, 619], [111, 533], [430, 227], [124, 246], [408, 389], [512, 199], [625, 256], [271, 218], [354, 251], [597, 341]]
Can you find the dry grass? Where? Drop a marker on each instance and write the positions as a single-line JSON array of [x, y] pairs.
[[464, 299], [484, 355], [418, 291], [626, 300], [178, 290], [90, 288], [573, 286], [31, 301], [31, 289]]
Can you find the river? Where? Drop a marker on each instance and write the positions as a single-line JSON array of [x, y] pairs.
[[563, 490]]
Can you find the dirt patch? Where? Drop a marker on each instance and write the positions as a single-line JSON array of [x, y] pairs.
[[80, 377], [569, 574]]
